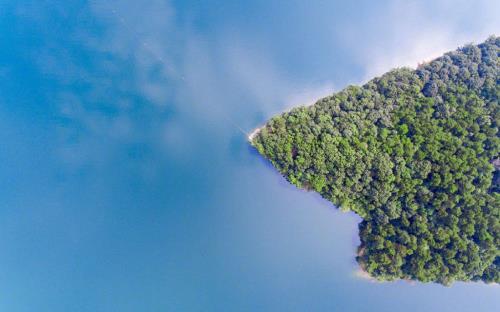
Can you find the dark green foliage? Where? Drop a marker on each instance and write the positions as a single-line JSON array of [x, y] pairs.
[[414, 154]]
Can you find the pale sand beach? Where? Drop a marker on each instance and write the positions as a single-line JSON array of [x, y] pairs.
[[252, 134]]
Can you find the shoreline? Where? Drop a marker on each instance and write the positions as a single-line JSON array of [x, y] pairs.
[[254, 132], [362, 274], [309, 103]]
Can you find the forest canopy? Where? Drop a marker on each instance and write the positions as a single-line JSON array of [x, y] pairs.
[[416, 154]]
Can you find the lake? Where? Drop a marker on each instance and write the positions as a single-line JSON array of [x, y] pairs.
[[126, 179]]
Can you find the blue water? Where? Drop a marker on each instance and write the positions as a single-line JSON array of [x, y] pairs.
[[126, 183]]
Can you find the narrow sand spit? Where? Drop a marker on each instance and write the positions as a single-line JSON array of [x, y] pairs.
[[360, 273], [252, 134]]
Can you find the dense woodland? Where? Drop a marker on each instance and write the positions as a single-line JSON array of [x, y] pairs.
[[416, 154]]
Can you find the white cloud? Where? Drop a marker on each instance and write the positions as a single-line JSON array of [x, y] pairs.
[[406, 33], [309, 95], [234, 83], [145, 32], [113, 74]]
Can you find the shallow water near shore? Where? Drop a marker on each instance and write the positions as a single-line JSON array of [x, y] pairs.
[[127, 180]]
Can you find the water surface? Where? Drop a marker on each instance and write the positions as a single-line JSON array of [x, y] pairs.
[[127, 183]]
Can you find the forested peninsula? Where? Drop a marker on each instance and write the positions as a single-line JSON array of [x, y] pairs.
[[415, 153]]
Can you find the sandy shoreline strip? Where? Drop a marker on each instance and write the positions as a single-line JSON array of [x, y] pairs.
[[252, 134], [362, 274]]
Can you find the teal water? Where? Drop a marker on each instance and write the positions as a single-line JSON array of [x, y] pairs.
[[126, 183]]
